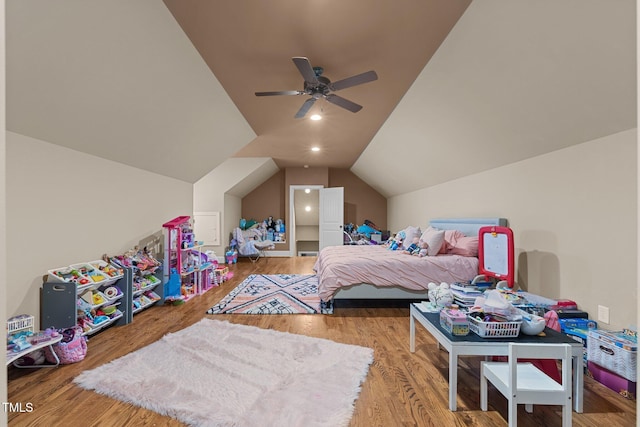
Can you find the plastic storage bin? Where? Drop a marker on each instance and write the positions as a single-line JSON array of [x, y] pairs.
[[577, 324], [494, 329], [615, 382], [94, 275], [112, 273], [454, 321], [67, 275], [615, 351]]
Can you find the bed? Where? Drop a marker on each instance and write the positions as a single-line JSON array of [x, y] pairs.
[[375, 272]]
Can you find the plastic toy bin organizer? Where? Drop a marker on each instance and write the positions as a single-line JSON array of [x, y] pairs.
[[454, 321], [494, 329], [112, 273], [82, 274], [615, 351]]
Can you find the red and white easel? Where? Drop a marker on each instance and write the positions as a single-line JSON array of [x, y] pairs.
[[495, 255]]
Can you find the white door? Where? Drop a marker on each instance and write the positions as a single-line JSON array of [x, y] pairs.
[[331, 216]]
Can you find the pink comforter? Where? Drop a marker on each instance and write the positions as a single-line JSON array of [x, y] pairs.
[[339, 266]]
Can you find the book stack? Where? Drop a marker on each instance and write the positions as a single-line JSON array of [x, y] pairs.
[[465, 294]]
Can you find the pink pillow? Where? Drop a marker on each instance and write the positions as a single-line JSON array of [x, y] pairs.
[[450, 239], [465, 246]]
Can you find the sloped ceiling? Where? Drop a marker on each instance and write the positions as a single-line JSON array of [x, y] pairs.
[[514, 79], [120, 80], [463, 86]]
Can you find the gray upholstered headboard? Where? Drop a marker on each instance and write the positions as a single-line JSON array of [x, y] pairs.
[[469, 226]]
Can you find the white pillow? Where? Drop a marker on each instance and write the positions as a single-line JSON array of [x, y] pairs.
[[410, 233], [434, 238]]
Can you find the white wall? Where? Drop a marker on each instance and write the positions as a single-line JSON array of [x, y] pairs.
[[65, 207], [307, 232], [574, 217], [3, 210], [232, 215], [222, 189]]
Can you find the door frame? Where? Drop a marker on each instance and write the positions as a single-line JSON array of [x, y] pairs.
[[292, 215]]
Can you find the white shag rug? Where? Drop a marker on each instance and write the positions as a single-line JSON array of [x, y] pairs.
[[216, 373]]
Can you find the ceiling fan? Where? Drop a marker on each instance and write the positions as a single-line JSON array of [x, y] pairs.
[[318, 86]]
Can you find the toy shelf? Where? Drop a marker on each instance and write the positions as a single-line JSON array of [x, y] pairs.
[[61, 303], [61, 300], [141, 285]]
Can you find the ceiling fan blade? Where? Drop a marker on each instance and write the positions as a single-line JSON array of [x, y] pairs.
[[367, 77], [305, 69], [282, 92], [305, 108], [344, 103]]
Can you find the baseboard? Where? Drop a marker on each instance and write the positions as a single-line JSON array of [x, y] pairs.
[[277, 253]]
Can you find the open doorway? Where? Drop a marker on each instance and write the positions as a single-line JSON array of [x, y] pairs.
[[304, 223]]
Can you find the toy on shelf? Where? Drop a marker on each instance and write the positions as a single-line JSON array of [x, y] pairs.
[[143, 277], [139, 259]]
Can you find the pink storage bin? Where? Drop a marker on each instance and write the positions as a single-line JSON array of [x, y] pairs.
[[615, 382]]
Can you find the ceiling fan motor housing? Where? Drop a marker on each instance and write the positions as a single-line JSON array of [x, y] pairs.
[[322, 88]]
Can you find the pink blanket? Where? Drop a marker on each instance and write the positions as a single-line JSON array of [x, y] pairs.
[[339, 266]]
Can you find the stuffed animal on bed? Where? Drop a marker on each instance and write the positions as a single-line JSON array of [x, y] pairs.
[[423, 248], [396, 243], [413, 248]]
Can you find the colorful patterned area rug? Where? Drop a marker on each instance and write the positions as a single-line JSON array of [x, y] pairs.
[[272, 294]]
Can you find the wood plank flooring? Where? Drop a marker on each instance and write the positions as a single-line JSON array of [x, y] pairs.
[[401, 389]]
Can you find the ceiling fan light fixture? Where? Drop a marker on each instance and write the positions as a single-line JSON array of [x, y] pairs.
[[316, 117]]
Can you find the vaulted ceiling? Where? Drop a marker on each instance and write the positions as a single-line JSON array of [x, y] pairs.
[[462, 86]]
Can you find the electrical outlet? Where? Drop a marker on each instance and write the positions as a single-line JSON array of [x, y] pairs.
[[603, 314]]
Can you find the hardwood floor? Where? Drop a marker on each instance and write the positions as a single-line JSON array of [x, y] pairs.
[[401, 389]]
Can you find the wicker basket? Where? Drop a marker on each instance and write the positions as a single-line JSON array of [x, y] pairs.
[[494, 329]]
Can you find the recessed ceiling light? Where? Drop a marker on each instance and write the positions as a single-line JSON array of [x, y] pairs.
[[307, 190], [316, 117], [307, 208], [315, 148]]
